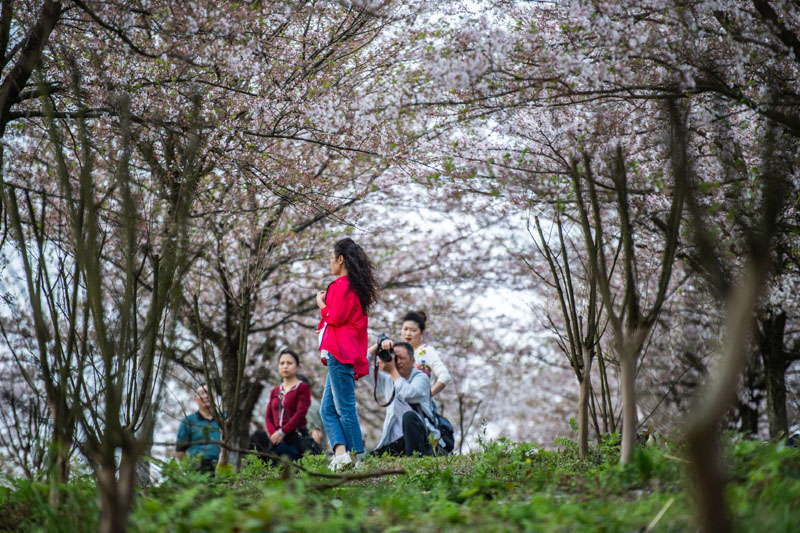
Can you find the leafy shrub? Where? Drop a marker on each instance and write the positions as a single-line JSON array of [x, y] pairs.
[[505, 486], [25, 506]]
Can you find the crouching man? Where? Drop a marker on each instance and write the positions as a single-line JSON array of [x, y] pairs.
[[407, 423]]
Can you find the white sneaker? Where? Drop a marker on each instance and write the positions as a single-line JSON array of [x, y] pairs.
[[338, 462], [359, 461]]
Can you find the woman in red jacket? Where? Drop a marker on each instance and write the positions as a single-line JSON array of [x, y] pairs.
[[287, 408], [343, 345]]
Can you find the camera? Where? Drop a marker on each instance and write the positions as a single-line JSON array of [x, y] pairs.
[[385, 355]]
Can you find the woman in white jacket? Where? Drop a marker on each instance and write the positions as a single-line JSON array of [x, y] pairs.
[[426, 356]]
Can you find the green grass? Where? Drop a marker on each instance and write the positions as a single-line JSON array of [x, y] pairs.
[[505, 487]]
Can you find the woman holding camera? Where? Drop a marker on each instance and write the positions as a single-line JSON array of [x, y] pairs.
[[343, 345], [427, 357]]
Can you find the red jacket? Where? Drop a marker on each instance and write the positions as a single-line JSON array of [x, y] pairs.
[[345, 337], [295, 407]]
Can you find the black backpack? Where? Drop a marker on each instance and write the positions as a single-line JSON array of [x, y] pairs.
[[447, 441]]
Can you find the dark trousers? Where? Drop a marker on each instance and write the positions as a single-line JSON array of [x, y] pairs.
[[414, 439], [209, 466], [260, 442]]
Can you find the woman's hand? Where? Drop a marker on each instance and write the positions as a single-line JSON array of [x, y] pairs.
[[316, 435], [276, 438], [321, 299]]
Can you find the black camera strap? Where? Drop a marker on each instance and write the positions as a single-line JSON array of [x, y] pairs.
[[375, 388]]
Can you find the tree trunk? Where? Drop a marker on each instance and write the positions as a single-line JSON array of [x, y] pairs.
[[748, 419], [116, 495], [708, 481], [228, 390], [59, 467], [19, 74], [60, 448], [629, 419], [224, 453], [702, 434], [460, 399], [775, 377], [771, 331], [252, 392], [607, 409], [145, 435], [583, 404], [747, 408], [147, 430], [593, 413], [242, 438]]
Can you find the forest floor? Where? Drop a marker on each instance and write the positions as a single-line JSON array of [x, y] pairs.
[[504, 487]]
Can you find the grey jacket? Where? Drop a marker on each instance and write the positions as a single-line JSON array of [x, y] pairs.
[[414, 390]]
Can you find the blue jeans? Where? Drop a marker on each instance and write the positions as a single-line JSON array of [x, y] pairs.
[[338, 407]]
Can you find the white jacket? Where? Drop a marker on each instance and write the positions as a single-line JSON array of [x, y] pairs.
[[430, 356]]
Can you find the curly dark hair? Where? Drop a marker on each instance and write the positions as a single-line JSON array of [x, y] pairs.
[[360, 272]]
